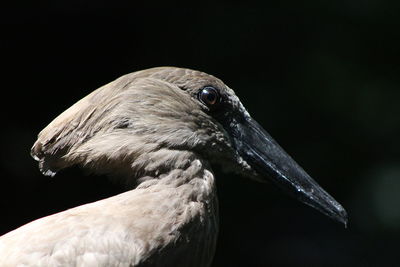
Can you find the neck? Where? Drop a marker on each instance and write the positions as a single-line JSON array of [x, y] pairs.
[[193, 179], [187, 197]]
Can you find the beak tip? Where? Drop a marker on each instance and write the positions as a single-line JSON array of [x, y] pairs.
[[343, 218], [339, 215], [329, 207]]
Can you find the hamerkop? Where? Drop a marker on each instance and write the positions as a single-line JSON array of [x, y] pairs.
[[162, 130]]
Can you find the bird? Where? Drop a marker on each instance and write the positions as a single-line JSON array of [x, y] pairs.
[[161, 131]]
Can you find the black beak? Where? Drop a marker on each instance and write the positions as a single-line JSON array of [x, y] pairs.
[[268, 159]]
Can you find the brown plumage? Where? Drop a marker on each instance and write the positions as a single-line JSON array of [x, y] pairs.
[[160, 130]]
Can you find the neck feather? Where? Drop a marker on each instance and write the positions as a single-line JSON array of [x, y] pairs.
[[195, 180]]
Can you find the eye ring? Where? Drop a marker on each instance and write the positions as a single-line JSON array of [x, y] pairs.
[[209, 96]]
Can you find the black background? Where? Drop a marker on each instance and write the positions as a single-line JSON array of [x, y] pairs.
[[322, 77]]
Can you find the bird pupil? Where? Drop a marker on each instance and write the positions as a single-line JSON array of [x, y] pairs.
[[210, 96]]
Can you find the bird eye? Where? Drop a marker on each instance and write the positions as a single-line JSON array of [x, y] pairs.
[[209, 96]]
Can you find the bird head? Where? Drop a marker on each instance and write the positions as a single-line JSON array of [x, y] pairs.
[[152, 121]]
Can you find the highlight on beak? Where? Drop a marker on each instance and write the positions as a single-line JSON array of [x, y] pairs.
[[268, 159]]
